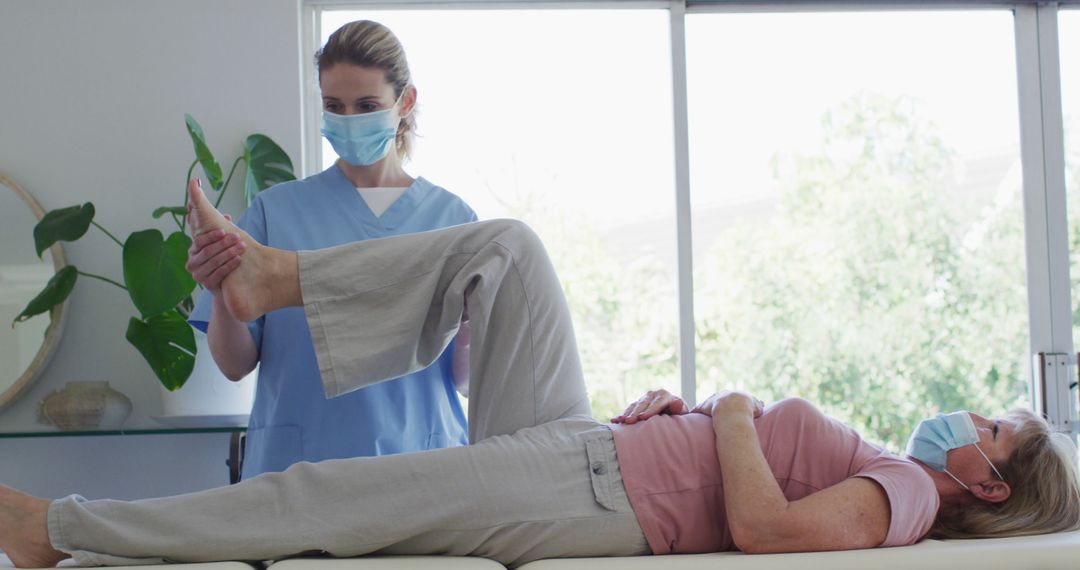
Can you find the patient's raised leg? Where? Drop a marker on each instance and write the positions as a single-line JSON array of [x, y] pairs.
[[382, 308], [379, 309], [24, 535]]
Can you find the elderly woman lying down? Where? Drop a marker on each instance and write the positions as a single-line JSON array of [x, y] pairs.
[[543, 479]]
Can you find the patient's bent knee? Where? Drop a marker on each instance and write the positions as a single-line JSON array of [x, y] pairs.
[[516, 235]]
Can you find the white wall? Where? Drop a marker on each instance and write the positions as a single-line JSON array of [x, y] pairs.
[[91, 109]]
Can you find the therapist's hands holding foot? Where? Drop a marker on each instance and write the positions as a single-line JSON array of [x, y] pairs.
[[265, 279], [213, 255]]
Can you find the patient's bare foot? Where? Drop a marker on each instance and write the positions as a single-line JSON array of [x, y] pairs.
[[24, 530], [266, 279]]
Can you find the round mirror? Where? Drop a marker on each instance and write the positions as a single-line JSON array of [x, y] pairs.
[[26, 348]]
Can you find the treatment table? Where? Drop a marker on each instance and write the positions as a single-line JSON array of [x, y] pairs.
[[1059, 551], [1046, 552]]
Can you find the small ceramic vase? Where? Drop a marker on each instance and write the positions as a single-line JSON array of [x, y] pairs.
[[85, 406]]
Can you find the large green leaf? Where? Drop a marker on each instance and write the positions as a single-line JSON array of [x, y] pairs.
[[154, 271], [206, 158], [167, 343], [267, 164], [63, 224], [56, 291]]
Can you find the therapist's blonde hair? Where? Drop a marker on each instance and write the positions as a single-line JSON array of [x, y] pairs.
[[1042, 474], [371, 44]]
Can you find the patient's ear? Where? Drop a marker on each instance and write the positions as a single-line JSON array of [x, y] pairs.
[[992, 491]]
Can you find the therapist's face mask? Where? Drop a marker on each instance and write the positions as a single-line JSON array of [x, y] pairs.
[[933, 438], [363, 139]]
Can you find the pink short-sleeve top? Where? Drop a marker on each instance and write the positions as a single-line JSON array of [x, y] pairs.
[[672, 475]]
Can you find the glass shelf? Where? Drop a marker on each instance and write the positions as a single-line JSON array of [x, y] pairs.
[[236, 440], [143, 431]]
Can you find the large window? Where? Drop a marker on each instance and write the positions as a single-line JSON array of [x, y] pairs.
[[524, 114], [857, 212], [855, 190]]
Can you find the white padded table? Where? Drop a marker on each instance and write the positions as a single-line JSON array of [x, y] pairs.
[[1046, 552], [5, 562], [389, 563]]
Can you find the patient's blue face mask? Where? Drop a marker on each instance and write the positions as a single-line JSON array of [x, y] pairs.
[[363, 139], [933, 438]]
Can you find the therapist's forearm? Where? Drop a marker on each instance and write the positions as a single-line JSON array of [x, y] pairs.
[[753, 500], [230, 342]]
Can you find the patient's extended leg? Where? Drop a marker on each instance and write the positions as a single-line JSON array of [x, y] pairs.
[[24, 534], [267, 278], [511, 498], [378, 309]]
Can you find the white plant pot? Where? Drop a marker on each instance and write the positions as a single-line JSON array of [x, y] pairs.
[[208, 398]]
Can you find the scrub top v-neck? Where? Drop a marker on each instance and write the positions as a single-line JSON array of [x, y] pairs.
[[291, 419]]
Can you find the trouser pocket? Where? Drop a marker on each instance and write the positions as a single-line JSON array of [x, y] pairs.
[[604, 472]]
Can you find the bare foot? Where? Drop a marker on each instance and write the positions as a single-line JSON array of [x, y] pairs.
[[24, 530], [266, 279]]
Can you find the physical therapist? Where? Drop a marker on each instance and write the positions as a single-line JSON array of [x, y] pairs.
[[368, 117]]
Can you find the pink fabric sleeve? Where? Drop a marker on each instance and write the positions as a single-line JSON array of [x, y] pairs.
[[913, 499]]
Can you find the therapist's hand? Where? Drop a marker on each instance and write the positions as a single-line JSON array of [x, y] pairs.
[[212, 256], [654, 402]]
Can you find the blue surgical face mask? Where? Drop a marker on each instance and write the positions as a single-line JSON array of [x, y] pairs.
[[363, 139], [933, 438]]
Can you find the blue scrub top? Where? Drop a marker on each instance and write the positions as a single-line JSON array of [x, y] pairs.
[[291, 419]]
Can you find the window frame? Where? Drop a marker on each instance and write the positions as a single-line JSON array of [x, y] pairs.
[[1046, 231]]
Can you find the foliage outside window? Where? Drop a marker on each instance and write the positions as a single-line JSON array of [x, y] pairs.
[[874, 290], [879, 286]]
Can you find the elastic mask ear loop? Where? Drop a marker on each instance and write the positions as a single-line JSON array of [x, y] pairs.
[[958, 482], [996, 472], [961, 483], [400, 99]]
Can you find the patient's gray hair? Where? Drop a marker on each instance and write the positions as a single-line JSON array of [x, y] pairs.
[[1042, 473]]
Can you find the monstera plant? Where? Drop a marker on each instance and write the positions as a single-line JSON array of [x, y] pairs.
[[153, 264]]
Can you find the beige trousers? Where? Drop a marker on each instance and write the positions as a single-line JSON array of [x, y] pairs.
[[541, 479]]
